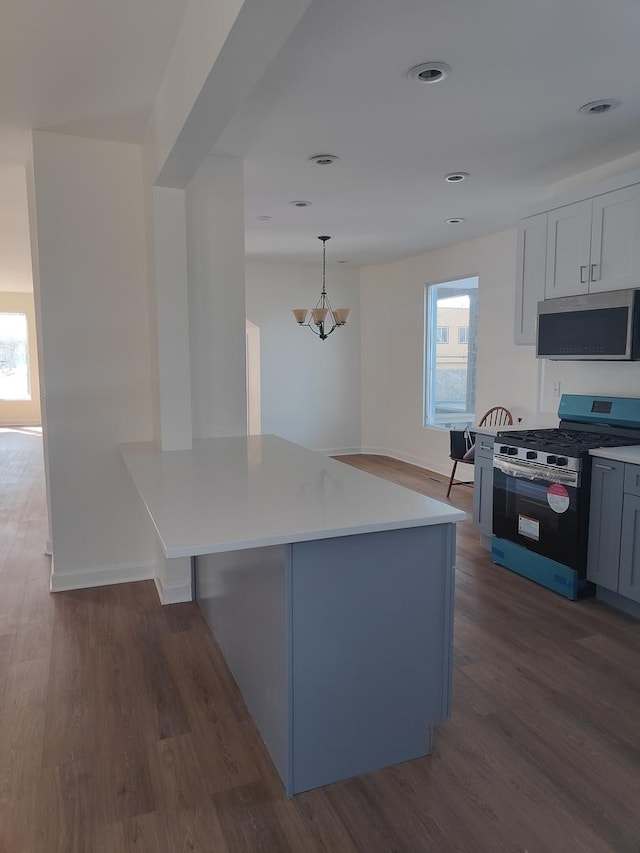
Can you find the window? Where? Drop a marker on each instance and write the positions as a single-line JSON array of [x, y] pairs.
[[450, 372], [14, 357], [442, 334]]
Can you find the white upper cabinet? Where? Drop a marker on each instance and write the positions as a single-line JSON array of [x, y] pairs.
[[594, 245], [590, 246], [532, 258], [615, 240], [568, 250]]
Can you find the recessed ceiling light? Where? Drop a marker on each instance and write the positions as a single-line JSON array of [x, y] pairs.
[[263, 218], [456, 177], [456, 220], [594, 108], [324, 159], [429, 72], [300, 203]]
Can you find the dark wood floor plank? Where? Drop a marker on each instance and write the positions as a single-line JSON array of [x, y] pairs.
[[169, 712], [121, 728]]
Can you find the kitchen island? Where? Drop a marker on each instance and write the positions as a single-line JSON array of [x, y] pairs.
[[329, 591]]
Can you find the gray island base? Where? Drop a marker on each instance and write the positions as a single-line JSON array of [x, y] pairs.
[[328, 590], [341, 647]]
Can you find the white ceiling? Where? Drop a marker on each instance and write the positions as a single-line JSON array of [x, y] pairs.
[[507, 113]]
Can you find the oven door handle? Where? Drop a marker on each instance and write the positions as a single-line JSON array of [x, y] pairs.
[[531, 471]]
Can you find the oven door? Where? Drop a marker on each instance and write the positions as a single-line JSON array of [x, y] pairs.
[[541, 509]]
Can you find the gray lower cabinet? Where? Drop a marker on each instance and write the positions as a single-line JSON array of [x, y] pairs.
[[605, 523], [629, 584], [614, 528], [341, 647], [483, 485]]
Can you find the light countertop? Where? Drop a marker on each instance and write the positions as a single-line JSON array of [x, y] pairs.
[[494, 430], [232, 493], [629, 454]]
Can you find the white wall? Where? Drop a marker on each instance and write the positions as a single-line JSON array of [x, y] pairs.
[[15, 269], [392, 345], [392, 304], [23, 411], [87, 202], [310, 388], [611, 379], [216, 292]]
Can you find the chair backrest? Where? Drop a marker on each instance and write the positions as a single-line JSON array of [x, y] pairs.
[[497, 416]]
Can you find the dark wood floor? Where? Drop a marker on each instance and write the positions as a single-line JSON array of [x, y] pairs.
[[121, 729]]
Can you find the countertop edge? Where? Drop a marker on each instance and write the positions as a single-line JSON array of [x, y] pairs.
[[629, 454], [128, 451], [311, 536]]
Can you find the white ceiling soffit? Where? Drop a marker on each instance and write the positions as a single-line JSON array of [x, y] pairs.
[[87, 67], [507, 114]]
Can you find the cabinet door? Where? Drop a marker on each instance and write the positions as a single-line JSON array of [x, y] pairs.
[[530, 278], [615, 240], [629, 584], [568, 250], [483, 496], [605, 522]]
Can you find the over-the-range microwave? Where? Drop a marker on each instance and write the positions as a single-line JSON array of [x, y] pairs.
[[591, 327]]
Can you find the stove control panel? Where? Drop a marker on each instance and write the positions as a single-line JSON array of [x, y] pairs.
[[535, 457]]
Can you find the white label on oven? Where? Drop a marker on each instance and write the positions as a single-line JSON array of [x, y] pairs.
[[529, 527], [558, 497]]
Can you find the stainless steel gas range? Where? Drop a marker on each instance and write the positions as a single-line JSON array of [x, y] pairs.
[[542, 486]]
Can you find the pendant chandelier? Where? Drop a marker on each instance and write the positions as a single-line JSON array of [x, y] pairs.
[[323, 316]]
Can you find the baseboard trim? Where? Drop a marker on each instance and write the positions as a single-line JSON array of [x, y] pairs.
[[103, 576], [406, 457], [626, 605], [20, 423], [385, 451], [173, 594], [340, 451]]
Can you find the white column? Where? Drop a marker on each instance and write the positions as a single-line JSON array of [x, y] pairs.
[[172, 318], [215, 267], [88, 227]]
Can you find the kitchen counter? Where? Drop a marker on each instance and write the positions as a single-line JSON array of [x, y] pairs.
[[629, 454], [247, 492], [494, 430], [329, 592]]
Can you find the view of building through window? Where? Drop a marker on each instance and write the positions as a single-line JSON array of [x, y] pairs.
[[451, 322], [14, 357]]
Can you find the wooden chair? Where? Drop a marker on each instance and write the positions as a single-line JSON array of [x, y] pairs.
[[463, 441]]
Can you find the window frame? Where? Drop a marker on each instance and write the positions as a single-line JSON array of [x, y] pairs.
[[442, 334], [27, 353], [429, 352]]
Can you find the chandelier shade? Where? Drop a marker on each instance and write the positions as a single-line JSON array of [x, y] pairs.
[[323, 317]]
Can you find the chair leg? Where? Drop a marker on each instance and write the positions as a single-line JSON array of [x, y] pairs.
[[453, 473]]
